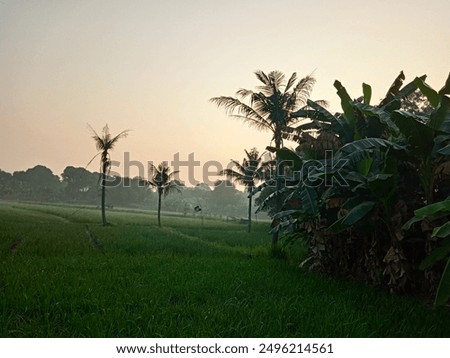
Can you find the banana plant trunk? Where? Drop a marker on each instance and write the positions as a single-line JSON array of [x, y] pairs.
[[278, 203], [250, 198], [159, 206]]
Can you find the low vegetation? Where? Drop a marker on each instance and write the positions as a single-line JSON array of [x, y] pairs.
[[63, 274]]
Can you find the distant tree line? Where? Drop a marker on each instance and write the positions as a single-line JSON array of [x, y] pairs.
[[79, 186]]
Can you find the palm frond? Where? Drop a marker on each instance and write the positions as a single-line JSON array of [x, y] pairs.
[[122, 134], [95, 134], [95, 156], [249, 172], [276, 79], [243, 93], [172, 174], [260, 75], [151, 168], [230, 173], [160, 176], [290, 82], [260, 125], [238, 165], [170, 188], [104, 142], [303, 89], [271, 105], [99, 143], [231, 104]]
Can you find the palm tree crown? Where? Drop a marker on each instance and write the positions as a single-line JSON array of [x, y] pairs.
[[104, 144], [250, 172], [162, 178], [271, 106]]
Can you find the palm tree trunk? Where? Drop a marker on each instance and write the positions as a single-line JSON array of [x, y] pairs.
[[250, 198], [103, 184], [159, 207], [278, 203]]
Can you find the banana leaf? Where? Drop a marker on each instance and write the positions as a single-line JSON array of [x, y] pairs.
[[443, 292], [394, 90], [419, 135], [440, 114], [308, 197], [367, 91], [445, 150], [286, 213], [289, 156], [354, 216], [442, 231], [345, 103], [382, 115], [409, 88], [446, 89], [431, 94], [441, 207], [370, 143]]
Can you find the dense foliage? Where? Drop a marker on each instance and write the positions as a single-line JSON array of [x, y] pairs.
[[358, 176]]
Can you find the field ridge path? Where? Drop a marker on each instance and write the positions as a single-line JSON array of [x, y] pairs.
[[174, 231]]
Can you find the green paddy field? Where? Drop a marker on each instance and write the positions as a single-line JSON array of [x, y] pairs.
[[62, 274]]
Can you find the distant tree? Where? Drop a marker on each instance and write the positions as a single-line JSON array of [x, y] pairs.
[[162, 179], [203, 187], [224, 197], [270, 107], [416, 103], [37, 184], [126, 192], [197, 197], [248, 174], [6, 184], [104, 144], [79, 184]]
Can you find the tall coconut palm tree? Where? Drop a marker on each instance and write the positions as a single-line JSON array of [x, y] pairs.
[[270, 107], [162, 180], [105, 143], [249, 173]]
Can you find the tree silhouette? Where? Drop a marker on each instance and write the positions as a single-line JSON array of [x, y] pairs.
[[162, 180], [270, 107], [249, 173], [104, 144]]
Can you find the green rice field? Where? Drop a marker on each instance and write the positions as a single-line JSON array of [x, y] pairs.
[[64, 275]]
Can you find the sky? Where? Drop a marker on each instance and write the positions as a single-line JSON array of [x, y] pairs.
[[152, 66]]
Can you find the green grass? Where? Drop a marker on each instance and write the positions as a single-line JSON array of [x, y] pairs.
[[182, 280]]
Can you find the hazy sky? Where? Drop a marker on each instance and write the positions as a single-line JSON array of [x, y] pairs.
[[151, 66]]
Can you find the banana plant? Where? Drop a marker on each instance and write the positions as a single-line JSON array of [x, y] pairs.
[[359, 119], [437, 212], [428, 137], [394, 162]]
